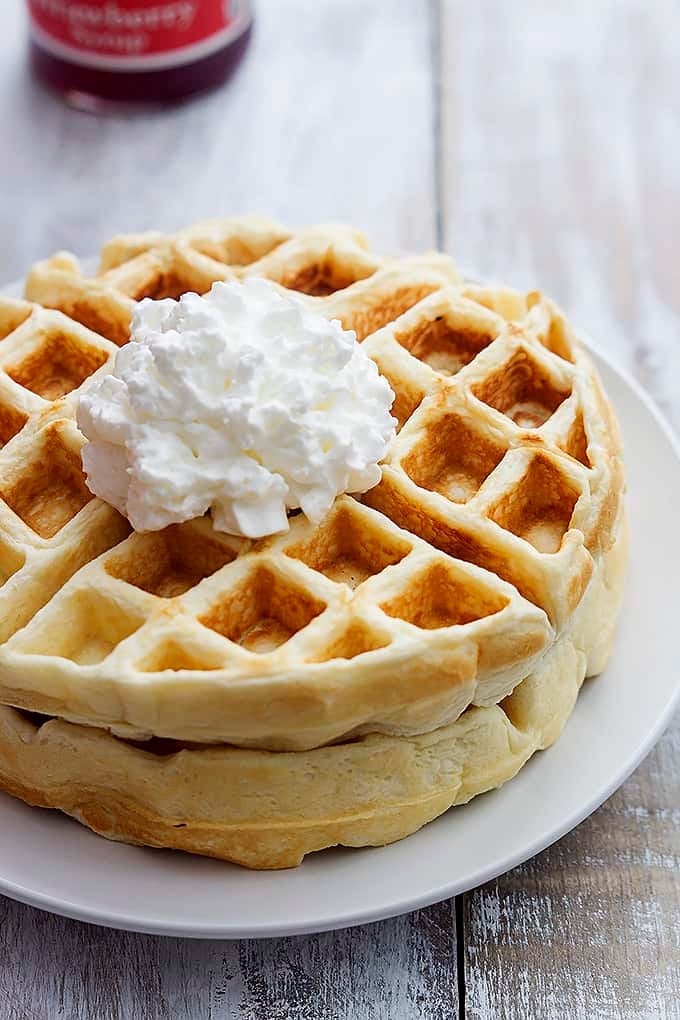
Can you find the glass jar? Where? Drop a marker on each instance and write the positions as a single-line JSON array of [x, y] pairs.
[[98, 52]]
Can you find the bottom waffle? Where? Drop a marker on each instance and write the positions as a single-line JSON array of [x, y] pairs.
[[267, 809]]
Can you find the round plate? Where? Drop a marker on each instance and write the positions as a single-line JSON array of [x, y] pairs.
[[49, 861]]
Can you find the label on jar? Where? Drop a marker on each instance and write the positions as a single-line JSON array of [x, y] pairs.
[[136, 35]]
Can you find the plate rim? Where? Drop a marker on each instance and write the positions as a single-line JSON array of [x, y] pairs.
[[276, 929]]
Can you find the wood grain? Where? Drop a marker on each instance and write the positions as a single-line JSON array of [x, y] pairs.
[[590, 927], [399, 968], [560, 164], [560, 158]]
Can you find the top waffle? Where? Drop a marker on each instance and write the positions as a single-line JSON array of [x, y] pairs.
[[439, 589]]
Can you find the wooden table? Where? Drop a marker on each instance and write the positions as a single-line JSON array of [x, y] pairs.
[[539, 143]]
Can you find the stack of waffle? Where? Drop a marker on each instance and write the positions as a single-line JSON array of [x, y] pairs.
[[342, 683]]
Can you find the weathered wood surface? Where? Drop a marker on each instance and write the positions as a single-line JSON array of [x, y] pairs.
[[591, 927], [51, 968], [539, 142]]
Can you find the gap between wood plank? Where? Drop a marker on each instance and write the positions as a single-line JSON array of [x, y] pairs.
[[435, 48], [438, 188], [435, 19], [459, 917]]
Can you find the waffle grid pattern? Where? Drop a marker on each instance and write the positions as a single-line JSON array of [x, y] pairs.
[[267, 810], [442, 589]]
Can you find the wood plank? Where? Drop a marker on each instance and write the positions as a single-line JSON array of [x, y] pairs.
[[590, 927], [330, 118], [559, 164], [559, 153], [399, 968]]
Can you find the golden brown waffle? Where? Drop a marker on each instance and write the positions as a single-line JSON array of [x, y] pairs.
[[266, 809], [319, 262], [50, 524], [499, 497]]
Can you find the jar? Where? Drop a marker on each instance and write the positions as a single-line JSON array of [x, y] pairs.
[[136, 51]]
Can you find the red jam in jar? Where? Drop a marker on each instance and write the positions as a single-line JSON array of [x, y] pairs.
[[136, 51]]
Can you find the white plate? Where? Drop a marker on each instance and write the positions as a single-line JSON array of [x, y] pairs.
[[51, 862]]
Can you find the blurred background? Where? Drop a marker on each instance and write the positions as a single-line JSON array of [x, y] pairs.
[[535, 141], [538, 142]]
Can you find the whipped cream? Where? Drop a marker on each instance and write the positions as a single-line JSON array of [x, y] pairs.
[[243, 402]]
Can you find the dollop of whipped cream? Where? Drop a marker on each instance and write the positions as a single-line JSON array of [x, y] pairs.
[[243, 402]]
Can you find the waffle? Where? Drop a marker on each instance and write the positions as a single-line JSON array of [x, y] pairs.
[[320, 262], [267, 810], [442, 589]]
